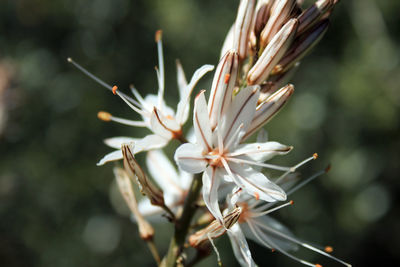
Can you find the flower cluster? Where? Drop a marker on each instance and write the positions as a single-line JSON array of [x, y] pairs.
[[260, 53]]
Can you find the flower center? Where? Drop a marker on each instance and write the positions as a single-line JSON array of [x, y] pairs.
[[215, 158], [245, 212]]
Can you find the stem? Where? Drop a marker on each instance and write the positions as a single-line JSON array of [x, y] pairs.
[[154, 251], [183, 223]]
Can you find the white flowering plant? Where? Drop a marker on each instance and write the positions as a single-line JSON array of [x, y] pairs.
[[215, 184]]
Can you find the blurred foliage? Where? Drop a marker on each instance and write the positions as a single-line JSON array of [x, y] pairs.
[[58, 209]]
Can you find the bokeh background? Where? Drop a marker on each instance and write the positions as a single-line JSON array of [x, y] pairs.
[[58, 209]]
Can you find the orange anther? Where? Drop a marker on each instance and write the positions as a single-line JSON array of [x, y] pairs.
[[158, 35], [315, 155], [104, 116], [272, 250], [318, 265], [114, 89], [328, 249], [291, 202], [257, 195], [226, 78]]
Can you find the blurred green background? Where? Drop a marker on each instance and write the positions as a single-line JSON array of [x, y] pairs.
[[58, 209]]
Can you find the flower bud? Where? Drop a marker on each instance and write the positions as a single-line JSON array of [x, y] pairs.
[[134, 170], [272, 53], [268, 108], [243, 25], [280, 12], [313, 14], [263, 10], [215, 229], [146, 231], [301, 47], [222, 86]]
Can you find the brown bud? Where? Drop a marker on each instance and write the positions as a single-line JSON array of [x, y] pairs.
[[135, 172], [215, 229], [146, 231]]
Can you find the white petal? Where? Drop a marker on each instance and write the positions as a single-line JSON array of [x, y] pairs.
[[163, 172], [147, 209], [201, 123], [182, 112], [222, 86], [276, 225], [152, 101], [150, 142], [256, 184], [116, 142], [160, 124], [240, 246], [189, 158], [261, 152], [113, 156], [240, 112], [211, 181]]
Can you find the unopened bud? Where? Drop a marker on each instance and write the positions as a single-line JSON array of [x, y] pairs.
[[267, 109], [222, 86], [280, 12], [215, 229], [301, 47], [146, 231], [273, 53], [135, 171], [313, 14], [263, 10], [243, 26]]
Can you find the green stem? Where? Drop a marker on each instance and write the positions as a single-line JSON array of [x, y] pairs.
[[183, 223]]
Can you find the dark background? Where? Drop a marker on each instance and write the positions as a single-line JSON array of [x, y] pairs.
[[58, 209]]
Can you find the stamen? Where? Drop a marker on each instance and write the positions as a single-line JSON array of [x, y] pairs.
[[263, 238], [143, 104], [123, 97], [294, 240], [104, 116], [294, 168], [265, 165], [257, 196], [259, 214], [306, 181], [98, 80], [160, 74]]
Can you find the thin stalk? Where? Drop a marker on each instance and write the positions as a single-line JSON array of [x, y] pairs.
[[182, 225], [154, 251]]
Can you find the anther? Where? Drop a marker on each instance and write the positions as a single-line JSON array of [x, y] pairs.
[[291, 202], [104, 116], [114, 89], [257, 195], [328, 249], [328, 168], [226, 79], [158, 35], [315, 155], [318, 265], [69, 60]]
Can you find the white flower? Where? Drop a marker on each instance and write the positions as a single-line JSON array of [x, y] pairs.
[[254, 224], [222, 158], [159, 118]]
